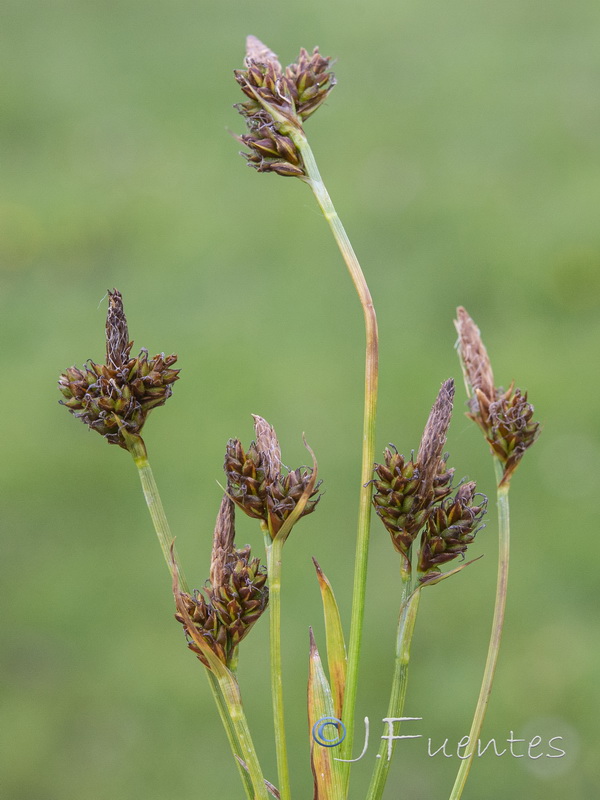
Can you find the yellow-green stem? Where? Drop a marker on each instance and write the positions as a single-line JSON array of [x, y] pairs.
[[495, 637], [406, 627], [274, 549], [368, 439]]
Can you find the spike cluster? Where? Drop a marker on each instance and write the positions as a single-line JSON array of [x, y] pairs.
[[450, 527], [232, 600], [414, 495], [279, 102], [256, 483], [399, 500], [505, 417], [121, 393]]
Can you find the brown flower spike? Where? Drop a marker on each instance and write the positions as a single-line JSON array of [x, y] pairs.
[[413, 496], [232, 600], [505, 417], [257, 484], [451, 526], [279, 101], [118, 396]]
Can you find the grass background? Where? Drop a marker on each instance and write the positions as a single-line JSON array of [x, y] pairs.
[[461, 148]]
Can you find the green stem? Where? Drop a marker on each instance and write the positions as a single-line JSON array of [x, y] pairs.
[[274, 549], [231, 732], [136, 447], [225, 690], [496, 633], [406, 627], [232, 699], [368, 454]]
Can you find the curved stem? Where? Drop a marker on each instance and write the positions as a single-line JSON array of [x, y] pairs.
[[274, 572], [496, 634], [368, 453], [406, 627]]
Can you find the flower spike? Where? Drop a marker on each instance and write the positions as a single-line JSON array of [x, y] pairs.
[[505, 417], [115, 398], [279, 101], [257, 484]]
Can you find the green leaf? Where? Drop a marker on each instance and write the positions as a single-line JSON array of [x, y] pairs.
[[334, 637]]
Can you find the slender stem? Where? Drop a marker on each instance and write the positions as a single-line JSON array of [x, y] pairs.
[[137, 449], [223, 693], [231, 732], [274, 572], [406, 627], [368, 453], [232, 699], [496, 634]]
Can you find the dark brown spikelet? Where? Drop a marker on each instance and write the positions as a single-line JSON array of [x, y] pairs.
[[505, 417], [396, 499], [310, 81], [406, 491], [225, 616], [450, 528], [121, 393], [246, 484], [232, 600], [257, 484], [279, 100], [512, 429]]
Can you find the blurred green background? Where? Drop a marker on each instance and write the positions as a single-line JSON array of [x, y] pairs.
[[461, 148]]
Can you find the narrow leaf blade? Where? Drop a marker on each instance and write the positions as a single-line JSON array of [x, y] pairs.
[[324, 731], [334, 636]]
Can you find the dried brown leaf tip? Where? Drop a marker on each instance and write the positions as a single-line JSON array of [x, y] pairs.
[[261, 486], [234, 598], [505, 417], [279, 101], [409, 493], [118, 396]]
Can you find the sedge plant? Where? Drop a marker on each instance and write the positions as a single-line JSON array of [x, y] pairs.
[[506, 419], [430, 520]]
